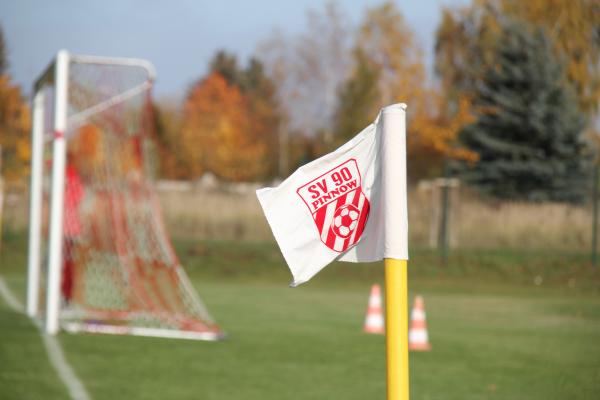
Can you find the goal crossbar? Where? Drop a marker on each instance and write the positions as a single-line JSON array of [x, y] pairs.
[[81, 116], [48, 75]]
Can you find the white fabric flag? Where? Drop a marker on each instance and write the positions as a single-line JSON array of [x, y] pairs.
[[348, 205]]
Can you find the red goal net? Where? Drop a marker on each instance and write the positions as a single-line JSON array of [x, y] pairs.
[[119, 272]]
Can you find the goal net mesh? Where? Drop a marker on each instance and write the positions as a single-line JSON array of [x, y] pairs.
[[120, 273]]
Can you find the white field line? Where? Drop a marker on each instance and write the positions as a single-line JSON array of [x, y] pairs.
[[55, 352], [9, 298], [66, 373]]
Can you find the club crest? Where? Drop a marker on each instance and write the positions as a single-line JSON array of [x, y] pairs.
[[338, 205]]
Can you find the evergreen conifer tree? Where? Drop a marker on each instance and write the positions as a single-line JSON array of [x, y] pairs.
[[528, 127]]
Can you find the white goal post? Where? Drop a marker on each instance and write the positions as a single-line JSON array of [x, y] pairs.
[[100, 259]]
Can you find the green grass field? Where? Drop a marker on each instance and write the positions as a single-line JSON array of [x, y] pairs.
[[495, 333]]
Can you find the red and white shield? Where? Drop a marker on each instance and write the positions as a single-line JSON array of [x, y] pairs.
[[338, 205]]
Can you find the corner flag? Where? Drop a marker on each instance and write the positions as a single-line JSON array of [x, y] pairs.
[[349, 205]]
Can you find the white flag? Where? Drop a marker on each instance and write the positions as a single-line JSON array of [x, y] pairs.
[[349, 205]]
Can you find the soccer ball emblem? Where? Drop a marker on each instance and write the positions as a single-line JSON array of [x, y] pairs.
[[345, 220]]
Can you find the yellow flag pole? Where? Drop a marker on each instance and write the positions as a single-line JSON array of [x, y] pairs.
[[395, 223], [396, 328]]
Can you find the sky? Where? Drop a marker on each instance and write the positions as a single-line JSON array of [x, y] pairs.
[[178, 36]]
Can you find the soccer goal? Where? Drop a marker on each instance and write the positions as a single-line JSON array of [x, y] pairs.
[[100, 259]]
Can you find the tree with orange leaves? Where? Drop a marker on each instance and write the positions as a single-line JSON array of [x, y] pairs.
[[389, 68], [217, 134], [14, 125], [263, 110], [467, 37]]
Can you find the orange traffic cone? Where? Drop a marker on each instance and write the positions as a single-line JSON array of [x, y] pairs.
[[418, 339], [374, 320]]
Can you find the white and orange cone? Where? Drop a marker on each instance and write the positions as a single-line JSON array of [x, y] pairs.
[[418, 339], [374, 319]]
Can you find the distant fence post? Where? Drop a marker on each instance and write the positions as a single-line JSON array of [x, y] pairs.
[[443, 233], [283, 162], [445, 230]]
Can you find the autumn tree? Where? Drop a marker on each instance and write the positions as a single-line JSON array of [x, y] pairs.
[[433, 140], [464, 48], [14, 130], [265, 111], [389, 44], [14, 124], [573, 27], [389, 68], [218, 134], [226, 65], [168, 123], [262, 106], [183, 138], [466, 38]]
